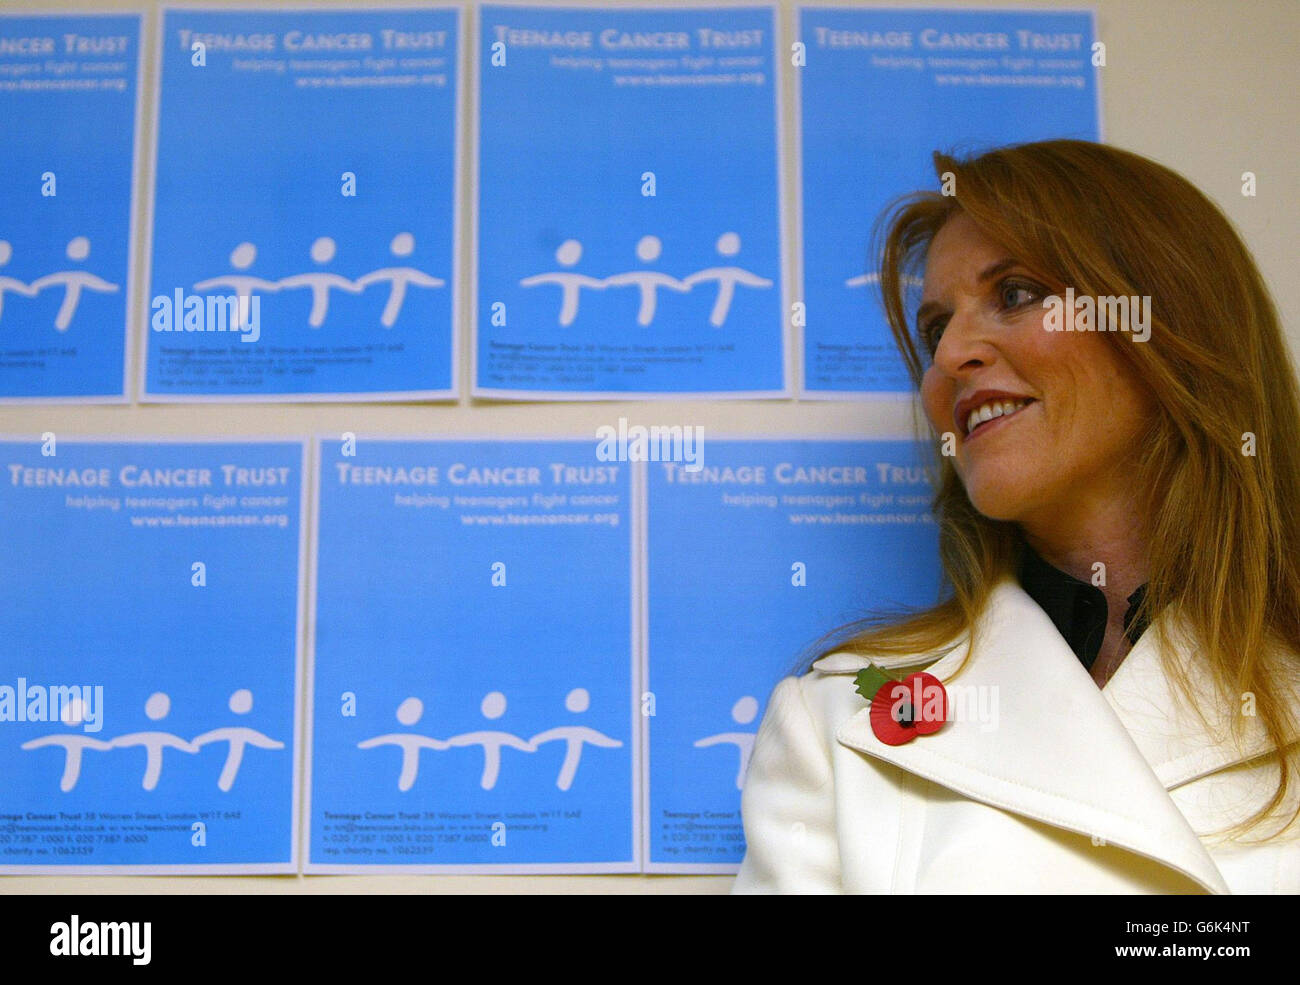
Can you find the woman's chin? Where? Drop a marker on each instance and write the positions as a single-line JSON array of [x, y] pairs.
[[997, 500]]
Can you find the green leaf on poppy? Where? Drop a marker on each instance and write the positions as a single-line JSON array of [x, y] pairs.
[[870, 680]]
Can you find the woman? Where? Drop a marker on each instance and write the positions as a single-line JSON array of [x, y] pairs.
[[1117, 530]]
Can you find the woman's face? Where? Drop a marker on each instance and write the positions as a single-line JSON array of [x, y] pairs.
[[1076, 407]]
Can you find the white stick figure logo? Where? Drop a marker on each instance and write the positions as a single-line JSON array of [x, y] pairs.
[[73, 744], [241, 258], [323, 251], [73, 282], [409, 712], [728, 245], [320, 282], [873, 277], [568, 253], [155, 709], [573, 736], [743, 712], [10, 284], [403, 245], [241, 703], [649, 248], [492, 707]]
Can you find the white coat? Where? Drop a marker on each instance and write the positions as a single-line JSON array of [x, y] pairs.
[[1068, 788]]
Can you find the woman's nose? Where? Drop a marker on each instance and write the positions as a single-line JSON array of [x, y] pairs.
[[963, 345]]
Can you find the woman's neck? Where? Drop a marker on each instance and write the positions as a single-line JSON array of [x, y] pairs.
[[1106, 548]]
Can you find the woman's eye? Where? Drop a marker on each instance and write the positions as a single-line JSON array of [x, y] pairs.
[[1015, 295], [932, 333], [1011, 294]]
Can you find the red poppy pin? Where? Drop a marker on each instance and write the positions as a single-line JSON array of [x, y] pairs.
[[902, 710]]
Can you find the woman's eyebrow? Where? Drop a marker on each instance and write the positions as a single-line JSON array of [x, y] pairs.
[[987, 274], [994, 269]]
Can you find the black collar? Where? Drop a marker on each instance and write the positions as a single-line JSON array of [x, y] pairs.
[[1077, 608]]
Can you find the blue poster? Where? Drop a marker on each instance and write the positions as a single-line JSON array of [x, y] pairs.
[[149, 657], [69, 99], [881, 91], [628, 232], [750, 559], [304, 209], [473, 702]]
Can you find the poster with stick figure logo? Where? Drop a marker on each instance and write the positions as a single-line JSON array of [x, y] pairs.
[[149, 655], [881, 90], [304, 232], [69, 99], [748, 562], [629, 202], [472, 681]]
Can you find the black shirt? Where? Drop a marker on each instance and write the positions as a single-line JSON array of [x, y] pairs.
[[1077, 608]]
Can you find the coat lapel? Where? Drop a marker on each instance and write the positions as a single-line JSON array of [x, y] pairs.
[[1178, 745], [1059, 749]]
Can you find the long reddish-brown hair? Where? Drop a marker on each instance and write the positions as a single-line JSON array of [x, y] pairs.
[[1222, 528]]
